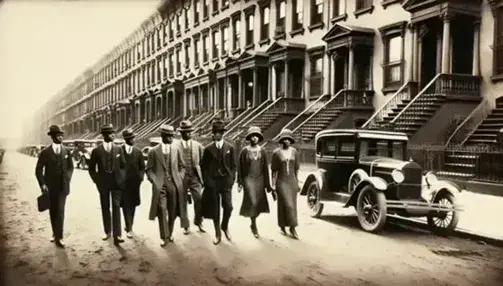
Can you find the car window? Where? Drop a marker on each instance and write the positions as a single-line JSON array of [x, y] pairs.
[[383, 148], [346, 147], [327, 147]]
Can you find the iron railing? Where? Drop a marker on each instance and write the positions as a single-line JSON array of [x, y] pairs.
[[470, 124], [397, 98]]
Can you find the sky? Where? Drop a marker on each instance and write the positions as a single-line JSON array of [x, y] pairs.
[[45, 44]]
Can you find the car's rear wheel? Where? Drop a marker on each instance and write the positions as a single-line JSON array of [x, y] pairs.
[[313, 199], [371, 209], [444, 222]]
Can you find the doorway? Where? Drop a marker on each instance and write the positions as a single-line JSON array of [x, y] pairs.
[[339, 74], [428, 55], [462, 45]]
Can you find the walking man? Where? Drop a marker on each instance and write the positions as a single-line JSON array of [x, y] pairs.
[[54, 172], [166, 170], [193, 180], [218, 166], [107, 170], [135, 171]]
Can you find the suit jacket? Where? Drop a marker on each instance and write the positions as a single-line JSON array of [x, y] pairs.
[[47, 172], [156, 170], [209, 165], [97, 168], [135, 166], [197, 156]]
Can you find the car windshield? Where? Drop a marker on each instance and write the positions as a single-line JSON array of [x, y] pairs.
[[385, 148]]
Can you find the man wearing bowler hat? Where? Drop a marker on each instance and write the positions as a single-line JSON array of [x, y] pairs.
[[165, 170], [54, 172], [218, 166], [135, 171], [107, 170]]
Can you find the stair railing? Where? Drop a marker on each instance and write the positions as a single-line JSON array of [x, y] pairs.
[[342, 91], [418, 96], [314, 106], [209, 118], [261, 111], [401, 94], [244, 116], [470, 124]]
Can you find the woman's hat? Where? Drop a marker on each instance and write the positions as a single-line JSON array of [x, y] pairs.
[[254, 130], [286, 134]]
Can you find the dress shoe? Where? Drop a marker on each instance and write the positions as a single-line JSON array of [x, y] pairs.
[[186, 231], [60, 243], [118, 240], [293, 232], [129, 234], [254, 231], [283, 231], [217, 240], [52, 238], [200, 226], [228, 235], [171, 239], [106, 236], [164, 242]]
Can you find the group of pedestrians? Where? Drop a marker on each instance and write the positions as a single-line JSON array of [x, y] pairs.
[[181, 172]]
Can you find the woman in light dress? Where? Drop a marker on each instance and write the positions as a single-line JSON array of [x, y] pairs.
[[285, 168], [253, 178]]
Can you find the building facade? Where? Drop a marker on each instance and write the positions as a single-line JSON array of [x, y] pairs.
[[195, 56]]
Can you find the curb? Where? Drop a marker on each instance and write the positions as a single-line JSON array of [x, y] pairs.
[[458, 232]]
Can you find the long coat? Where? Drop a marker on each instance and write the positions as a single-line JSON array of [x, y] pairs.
[[156, 169], [135, 171], [97, 168], [48, 174], [210, 199], [197, 156]]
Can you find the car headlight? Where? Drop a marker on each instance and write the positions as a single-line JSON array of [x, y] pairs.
[[397, 176], [430, 178]]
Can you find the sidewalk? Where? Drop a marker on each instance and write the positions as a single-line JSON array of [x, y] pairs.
[[479, 220]]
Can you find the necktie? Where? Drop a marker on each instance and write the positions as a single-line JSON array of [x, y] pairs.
[[57, 149]]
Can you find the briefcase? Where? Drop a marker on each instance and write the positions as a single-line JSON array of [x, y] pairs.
[[43, 202]]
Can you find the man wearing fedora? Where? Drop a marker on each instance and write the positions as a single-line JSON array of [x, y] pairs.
[[107, 170], [218, 166], [166, 170], [54, 172], [135, 171], [193, 180]]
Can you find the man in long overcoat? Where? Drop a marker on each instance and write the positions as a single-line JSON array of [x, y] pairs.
[[193, 180], [107, 168], [54, 172], [135, 171], [165, 170], [219, 172]]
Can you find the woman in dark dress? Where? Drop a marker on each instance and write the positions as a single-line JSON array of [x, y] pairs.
[[253, 178], [285, 168]]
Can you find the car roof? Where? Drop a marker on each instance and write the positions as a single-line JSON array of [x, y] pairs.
[[364, 134], [87, 141]]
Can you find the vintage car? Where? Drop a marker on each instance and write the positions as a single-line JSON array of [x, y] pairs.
[[369, 170], [82, 151], [70, 144]]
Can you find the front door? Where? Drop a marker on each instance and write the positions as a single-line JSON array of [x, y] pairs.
[[428, 57], [339, 74]]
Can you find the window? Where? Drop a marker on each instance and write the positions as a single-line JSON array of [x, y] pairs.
[[298, 14], [316, 11], [264, 26], [178, 24], [215, 6], [187, 18], [498, 43], [363, 4], [187, 55], [164, 66], [164, 33], [142, 50], [316, 77], [159, 70], [152, 42], [196, 11], [393, 55], [384, 148], [152, 72], [178, 61], [225, 40], [171, 30], [225, 3], [148, 45], [206, 48], [250, 22], [171, 65], [206, 8], [216, 44], [236, 26], [143, 77], [196, 52], [338, 8]]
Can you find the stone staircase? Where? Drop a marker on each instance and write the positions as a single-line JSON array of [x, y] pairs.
[[409, 116], [459, 164], [317, 123], [487, 131]]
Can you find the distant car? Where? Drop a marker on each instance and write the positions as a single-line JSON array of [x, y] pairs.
[[119, 142], [369, 170], [70, 144], [82, 152]]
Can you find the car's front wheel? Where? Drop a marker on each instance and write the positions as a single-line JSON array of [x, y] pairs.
[[371, 209], [313, 199], [444, 222]]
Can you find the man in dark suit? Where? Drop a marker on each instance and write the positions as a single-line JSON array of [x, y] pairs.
[[193, 180], [54, 172], [135, 171], [165, 170], [107, 170], [218, 166]]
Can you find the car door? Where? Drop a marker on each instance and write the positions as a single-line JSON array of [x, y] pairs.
[[345, 162]]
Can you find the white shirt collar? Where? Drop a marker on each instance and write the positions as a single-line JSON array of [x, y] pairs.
[[129, 148], [165, 148], [56, 147], [186, 142], [219, 143], [107, 145]]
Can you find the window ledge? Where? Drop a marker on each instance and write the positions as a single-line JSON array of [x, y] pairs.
[[196, 66], [178, 34], [386, 3], [299, 31], [366, 10], [206, 18], [281, 36], [187, 30], [388, 89], [236, 51], [214, 60], [214, 13], [249, 46], [497, 78], [165, 43], [225, 7], [171, 39], [224, 56], [264, 42], [339, 18], [206, 63], [315, 26], [196, 24]]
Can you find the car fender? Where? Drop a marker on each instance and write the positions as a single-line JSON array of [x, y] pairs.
[[444, 186], [318, 176], [377, 182]]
